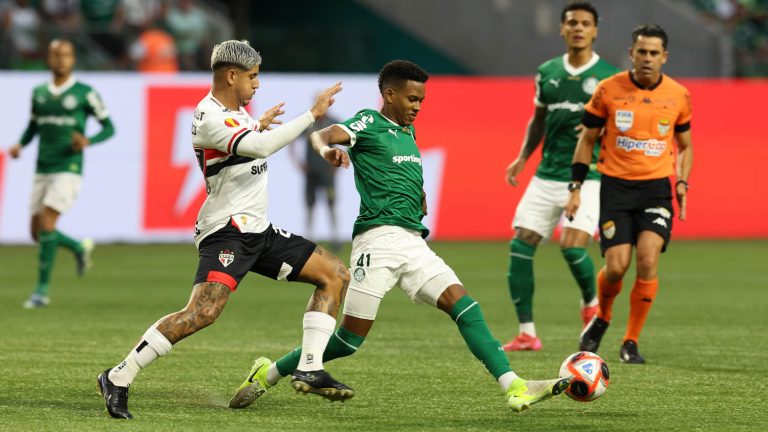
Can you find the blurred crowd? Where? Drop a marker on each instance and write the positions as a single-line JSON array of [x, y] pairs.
[[144, 35], [747, 21]]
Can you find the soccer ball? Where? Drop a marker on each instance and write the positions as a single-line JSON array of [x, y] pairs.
[[589, 376]]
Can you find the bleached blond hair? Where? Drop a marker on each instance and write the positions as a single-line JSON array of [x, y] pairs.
[[234, 53]]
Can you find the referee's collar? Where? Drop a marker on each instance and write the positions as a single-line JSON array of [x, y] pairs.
[[642, 87]]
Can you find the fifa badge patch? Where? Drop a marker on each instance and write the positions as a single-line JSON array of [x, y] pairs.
[[589, 85], [624, 120], [226, 257], [359, 274], [230, 122], [608, 229], [663, 126]]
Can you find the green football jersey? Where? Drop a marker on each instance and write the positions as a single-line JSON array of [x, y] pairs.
[[564, 90], [57, 112], [388, 172]]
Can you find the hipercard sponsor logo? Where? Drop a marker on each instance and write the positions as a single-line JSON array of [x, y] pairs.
[[651, 147]]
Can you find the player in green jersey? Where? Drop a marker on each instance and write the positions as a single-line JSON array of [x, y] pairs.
[[563, 85], [60, 110], [388, 247]]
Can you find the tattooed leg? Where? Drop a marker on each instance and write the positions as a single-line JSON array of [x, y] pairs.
[[204, 306], [331, 279]]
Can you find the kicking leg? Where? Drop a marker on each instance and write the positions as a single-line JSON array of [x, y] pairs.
[[466, 312]]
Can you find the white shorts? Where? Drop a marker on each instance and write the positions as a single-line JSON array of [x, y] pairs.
[[542, 205], [385, 256], [57, 191]]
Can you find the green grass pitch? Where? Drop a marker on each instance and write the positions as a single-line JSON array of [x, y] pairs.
[[705, 342]]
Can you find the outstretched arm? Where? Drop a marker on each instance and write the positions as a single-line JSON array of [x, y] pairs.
[[261, 145]]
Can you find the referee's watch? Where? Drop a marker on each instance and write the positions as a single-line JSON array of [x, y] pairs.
[[574, 186]]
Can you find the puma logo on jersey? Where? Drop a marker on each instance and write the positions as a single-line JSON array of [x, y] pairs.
[[555, 82], [393, 132]]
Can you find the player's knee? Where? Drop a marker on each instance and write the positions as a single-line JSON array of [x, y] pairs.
[[646, 267], [615, 273], [530, 238]]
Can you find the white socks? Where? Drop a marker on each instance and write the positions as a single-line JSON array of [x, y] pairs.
[[528, 328], [506, 379], [273, 376], [318, 328], [153, 345]]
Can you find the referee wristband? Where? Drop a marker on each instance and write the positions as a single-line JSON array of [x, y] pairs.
[[683, 182], [579, 172]]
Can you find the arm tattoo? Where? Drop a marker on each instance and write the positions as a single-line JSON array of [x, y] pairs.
[[205, 304]]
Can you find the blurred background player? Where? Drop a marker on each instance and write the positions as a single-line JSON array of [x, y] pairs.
[[233, 234], [319, 175], [563, 85], [643, 112], [388, 246], [60, 110]]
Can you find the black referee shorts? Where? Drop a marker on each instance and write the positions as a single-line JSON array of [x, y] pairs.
[[228, 254], [628, 207]]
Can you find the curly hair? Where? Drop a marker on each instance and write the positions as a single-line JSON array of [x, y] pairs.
[[397, 72]]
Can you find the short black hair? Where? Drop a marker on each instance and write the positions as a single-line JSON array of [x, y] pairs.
[[579, 5], [397, 72], [650, 30]]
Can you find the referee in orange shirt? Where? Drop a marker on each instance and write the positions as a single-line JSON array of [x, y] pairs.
[[643, 112]]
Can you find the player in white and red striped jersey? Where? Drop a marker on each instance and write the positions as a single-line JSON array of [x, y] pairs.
[[233, 234]]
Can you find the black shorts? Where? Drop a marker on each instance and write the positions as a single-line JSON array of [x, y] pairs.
[[228, 254], [628, 207]]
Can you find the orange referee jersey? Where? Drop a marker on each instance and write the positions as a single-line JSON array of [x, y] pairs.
[[639, 126]]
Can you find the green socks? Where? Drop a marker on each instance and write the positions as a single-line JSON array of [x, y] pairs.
[[68, 243], [46, 255], [520, 278], [343, 343], [469, 318], [583, 270]]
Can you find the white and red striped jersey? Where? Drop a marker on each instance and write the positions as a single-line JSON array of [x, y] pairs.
[[231, 153]]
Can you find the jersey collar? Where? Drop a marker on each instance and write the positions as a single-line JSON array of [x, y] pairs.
[[66, 85], [577, 71], [640, 86]]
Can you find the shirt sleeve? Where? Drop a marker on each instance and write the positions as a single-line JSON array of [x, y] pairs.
[[357, 127], [685, 111], [227, 135], [597, 103], [96, 106]]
